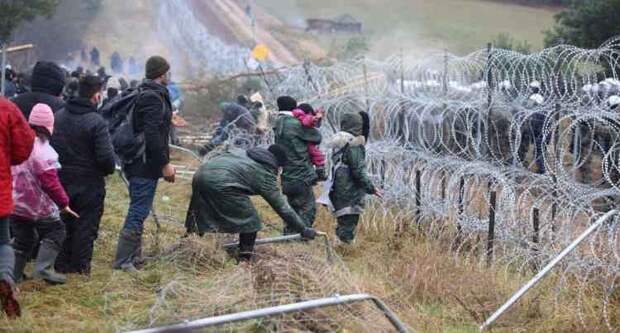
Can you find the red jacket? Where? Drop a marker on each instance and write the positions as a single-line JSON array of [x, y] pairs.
[[16, 140]]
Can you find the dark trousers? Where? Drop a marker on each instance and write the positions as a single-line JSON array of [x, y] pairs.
[[302, 200], [87, 199], [29, 233], [246, 245], [7, 256]]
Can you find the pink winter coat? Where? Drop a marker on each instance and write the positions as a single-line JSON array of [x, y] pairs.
[[37, 191], [307, 120]]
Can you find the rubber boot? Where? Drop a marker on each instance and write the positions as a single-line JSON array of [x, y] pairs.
[[246, 246], [8, 290], [44, 266], [126, 251], [20, 263]]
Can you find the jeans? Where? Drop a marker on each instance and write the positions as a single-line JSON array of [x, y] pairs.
[[7, 256], [141, 194]]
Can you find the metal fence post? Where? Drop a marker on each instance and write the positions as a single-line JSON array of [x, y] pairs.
[[491, 231]]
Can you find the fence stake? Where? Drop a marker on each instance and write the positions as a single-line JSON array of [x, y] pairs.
[[418, 194], [491, 234], [536, 235]]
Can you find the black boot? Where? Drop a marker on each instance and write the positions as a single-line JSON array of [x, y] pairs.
[[246, 246], [126, 251], [44, 266]]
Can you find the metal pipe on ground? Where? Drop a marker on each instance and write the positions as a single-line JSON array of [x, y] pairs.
[[289, 238], [188, 326], [542, 273]]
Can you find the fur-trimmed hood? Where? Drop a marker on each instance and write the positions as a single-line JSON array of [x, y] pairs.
[[341, 139]]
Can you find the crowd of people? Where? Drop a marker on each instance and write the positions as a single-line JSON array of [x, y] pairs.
[[58, 144]]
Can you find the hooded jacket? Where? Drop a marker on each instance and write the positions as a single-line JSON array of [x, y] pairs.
[[222, 188], [290, 133], [351, 181], [16, 143], [48, 81], [153, 116], [82, 141]]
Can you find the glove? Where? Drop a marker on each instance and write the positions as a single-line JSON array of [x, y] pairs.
[[308, 233], [321, 174]]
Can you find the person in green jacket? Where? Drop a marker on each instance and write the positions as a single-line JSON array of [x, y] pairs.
[[299, 175], [349, 182], [221, 191]]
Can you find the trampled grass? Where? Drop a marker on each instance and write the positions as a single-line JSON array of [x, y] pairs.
[[429, 286]]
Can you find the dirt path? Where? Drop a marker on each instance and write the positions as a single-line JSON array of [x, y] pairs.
[[237, 21]]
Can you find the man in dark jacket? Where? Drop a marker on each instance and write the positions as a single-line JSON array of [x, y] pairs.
[[299, 175], [85, 152], [153, 115], [48, 81], [221, 191]]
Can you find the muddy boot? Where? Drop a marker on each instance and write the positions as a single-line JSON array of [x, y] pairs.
[[20, 263], [127, 250], [8, 290], [44, 266]]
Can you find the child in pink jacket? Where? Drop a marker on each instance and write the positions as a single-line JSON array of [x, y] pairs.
[[39, 198], [309, 118]]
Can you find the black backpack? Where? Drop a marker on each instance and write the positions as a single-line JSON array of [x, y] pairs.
[[129, 145]]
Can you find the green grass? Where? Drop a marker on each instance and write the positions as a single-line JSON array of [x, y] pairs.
[[418, 26]]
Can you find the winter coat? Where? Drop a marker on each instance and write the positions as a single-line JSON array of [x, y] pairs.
[[153, 116], [48, 81], [350, 180], [222, 188], [239, 115], [16, 143], [37, 191], [82, 141], [291, 134], [28, 100], [310, 121]]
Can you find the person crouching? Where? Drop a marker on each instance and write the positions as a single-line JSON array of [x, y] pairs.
[[221, 191], [38, 195]]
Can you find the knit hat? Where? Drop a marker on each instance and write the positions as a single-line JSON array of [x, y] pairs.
[[48, 77], [279, 152], [156, 66], [286, 103], [43, 116]]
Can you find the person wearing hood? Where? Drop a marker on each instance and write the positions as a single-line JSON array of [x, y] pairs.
[[153, 118], [349, 182], [299, 175], [47, 83], [85, 152], [221, 191], [113, 89]]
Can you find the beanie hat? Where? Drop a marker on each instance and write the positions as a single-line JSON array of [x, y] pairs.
[[156, 66], [306, 108], [43, 116], [286, 103], [48, 77], [279, 152]]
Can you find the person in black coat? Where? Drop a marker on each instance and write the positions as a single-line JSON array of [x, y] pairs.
[[47, 83], [85, 152], [153, 116]]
